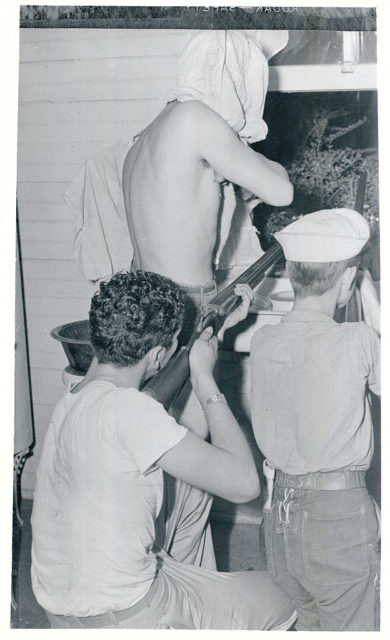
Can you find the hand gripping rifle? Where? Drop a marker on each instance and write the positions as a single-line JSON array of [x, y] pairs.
[[167, 383]]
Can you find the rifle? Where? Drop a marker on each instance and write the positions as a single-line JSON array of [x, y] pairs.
[[360, 192], [352, 312], [167, 383]]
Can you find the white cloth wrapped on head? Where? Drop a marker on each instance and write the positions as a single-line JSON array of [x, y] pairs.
[[233, 81], [329, 235], [228, 71]]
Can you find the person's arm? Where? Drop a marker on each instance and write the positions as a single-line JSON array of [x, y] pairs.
[[217, 143], [241, 312], [371, 345], [225, 467], [186, 408]]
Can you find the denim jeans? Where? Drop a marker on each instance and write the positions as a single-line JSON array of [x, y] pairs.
[[323, 549]]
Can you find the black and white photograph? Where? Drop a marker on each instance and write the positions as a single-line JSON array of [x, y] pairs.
[[197, 413]]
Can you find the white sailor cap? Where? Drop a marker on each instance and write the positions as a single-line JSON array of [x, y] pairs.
[[329, 235]]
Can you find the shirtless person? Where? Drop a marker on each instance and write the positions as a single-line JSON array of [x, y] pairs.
[[172, 197], [172, 175], [173, 184]]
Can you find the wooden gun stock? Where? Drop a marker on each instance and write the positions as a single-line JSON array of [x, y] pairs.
[[167, 383]]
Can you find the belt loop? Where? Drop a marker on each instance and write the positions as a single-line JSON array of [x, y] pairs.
[[269, 474], [78, 622], [112, 616]]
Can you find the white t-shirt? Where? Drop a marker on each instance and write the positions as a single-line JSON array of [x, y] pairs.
[[97, 496]]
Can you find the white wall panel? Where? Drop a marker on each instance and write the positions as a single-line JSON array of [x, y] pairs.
[[50, 45], [80, 71], [81, 90], [47, 250], [43, 192], [88, 131], [58, 211], [122, 89], [36, 230], [39, 152], [61, 288], [72, 309], [48, 171], [52, 269], [88, 112], [56, 361]]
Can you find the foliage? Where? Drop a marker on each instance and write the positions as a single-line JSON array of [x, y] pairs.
[[325, 176], [43, 13], [106, 16]]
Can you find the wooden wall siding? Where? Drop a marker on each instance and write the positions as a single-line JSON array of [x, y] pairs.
[[80, 91]]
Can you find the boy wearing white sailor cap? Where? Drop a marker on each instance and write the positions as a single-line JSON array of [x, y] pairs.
[[312, 421]]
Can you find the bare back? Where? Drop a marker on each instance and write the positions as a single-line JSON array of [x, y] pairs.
[[172, 196], [172, 200]]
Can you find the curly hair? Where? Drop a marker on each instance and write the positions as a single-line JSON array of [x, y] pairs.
[[131, 314], [315, 278]]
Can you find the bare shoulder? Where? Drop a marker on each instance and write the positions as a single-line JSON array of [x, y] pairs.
[[195, 113]]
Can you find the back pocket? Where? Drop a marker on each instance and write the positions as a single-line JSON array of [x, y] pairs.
[[334, 551]]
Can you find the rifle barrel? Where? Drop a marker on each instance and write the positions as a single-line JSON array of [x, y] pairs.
[[252, 276], [168, 382], [360, 192]]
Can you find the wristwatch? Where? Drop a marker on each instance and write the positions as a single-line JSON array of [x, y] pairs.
[[215, 398]]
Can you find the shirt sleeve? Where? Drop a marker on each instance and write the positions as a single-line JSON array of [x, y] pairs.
[[256, 364], [255, 355], [142, 426], [370, 357]]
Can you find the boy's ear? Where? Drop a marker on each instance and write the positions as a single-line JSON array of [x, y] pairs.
[[155, 356], [348, 280], [349, 277]]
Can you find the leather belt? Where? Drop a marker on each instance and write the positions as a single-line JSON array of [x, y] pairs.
[[323, 481]]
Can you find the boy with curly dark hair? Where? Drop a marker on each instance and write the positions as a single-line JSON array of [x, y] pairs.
[[133, 313], [112, 547], [312, 421]]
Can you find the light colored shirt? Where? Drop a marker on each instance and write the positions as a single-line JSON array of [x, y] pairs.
[[309, 401], [97, 496]]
